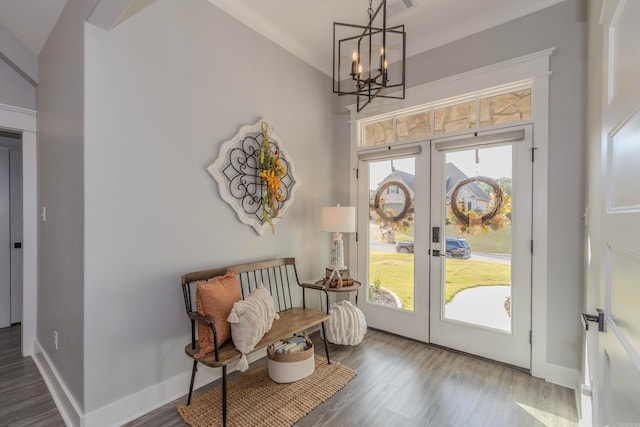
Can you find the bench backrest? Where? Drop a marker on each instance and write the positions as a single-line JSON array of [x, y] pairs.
[[277, 275]]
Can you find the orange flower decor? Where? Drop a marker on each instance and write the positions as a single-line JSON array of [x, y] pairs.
[[271, 172]]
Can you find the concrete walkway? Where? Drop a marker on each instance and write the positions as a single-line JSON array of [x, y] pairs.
[[483, 305]]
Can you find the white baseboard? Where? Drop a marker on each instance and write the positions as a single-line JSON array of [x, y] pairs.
[[66, 404], [144, 401], [560, 375], [130, 407]]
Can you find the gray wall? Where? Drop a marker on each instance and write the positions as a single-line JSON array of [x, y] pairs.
[[163, 91], [60, 188], [15, 90]]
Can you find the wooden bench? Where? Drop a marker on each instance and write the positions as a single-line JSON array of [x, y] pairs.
[[278, 276]]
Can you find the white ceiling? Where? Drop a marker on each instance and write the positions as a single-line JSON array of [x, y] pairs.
[[305, 27]]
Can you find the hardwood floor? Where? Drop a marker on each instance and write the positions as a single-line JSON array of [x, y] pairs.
[[24, 398], [405, 383], [400, 383]]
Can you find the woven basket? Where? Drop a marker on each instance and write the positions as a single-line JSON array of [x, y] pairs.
[[290, 367]]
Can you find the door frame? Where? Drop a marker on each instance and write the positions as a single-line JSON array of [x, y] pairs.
[[23, 121], [534, 68]]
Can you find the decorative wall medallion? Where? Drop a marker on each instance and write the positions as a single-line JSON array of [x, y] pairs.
[[256, 176]]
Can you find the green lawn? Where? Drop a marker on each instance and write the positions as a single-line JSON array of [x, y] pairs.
[[395, 272], [497, 242]]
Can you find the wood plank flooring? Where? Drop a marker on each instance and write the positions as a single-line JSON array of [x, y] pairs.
[[24, 397], [405, 383], [400, 383]]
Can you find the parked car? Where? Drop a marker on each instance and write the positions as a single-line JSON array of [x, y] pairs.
[[456, 247]]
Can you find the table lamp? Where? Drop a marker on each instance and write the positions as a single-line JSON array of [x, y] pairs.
[[338, 219]]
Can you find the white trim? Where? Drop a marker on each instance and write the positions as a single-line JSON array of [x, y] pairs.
[[144, 401], [30, 240], [560, 375], [17, 118], [24, 121], [534, 68], [497, 77], [539, 269], [130, 407], [66, 404]]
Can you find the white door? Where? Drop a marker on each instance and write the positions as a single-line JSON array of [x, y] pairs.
[[392, 219], [5, 240], [616, 382], [481, 204]]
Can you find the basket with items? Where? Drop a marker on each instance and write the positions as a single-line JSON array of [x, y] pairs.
[[290, 359]]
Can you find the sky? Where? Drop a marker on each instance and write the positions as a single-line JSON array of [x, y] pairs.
[[495, 162]]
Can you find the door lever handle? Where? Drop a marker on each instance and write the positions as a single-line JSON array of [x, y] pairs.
[[599, 318]]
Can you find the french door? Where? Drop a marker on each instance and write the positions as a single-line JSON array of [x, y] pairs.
[[480, 260], [423, 270], [394, 207]]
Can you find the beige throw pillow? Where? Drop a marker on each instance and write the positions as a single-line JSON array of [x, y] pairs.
[[250, 319]]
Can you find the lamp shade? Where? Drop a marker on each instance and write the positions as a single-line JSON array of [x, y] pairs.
[[339, 219]]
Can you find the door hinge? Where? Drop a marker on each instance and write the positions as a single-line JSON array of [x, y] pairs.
[[356, 236], [530, 337], [533, 154], [357, 173], [532, 246]]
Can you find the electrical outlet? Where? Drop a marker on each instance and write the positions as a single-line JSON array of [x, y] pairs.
[[55, 339]]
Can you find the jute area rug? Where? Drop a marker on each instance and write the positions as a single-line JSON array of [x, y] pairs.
[[253, 399]]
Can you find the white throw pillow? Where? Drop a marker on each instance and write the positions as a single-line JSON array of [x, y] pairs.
[[250, 319]]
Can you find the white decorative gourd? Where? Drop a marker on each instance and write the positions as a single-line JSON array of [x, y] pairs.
[[347, 324]]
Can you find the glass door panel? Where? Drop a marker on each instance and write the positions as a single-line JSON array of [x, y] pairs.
[[477, 285], [391, 233]]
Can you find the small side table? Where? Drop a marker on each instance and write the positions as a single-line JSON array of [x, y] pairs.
[[354, 288]]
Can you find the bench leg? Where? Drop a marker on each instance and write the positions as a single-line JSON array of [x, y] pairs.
[[193, 377], [224, 396], [326, 344]]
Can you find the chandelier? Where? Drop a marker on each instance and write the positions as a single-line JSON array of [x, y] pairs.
[[375, 56]]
